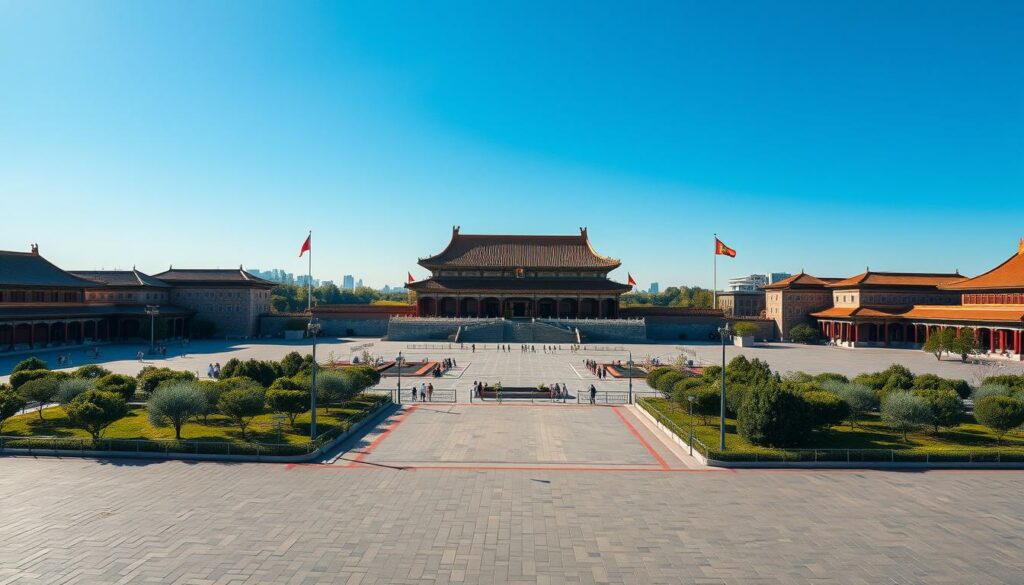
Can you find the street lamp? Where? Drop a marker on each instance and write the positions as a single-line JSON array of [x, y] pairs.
[[152, 311], [399, 362], [314, 329], [723, 333], [690, 398], [630, 365]]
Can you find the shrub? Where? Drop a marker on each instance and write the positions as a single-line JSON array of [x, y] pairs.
[[71, 388], [118, 384], [744, 329], [735, 394], [202, 329], [174, 403], [945, 407], [753, 372], [332, 388], [32, 363], [90, 371], [41, 390], [654, 375], [151, 377], [706, 402], [712, 374], [211, 390], [264, 372], [666, 381], [999, 413], [905, 413], [830, 377], [803, 333], [289, 384], [241, 405], [291, 403], [1014, 383], [771, 416], [990, 389], [826, 409], [94, 411], [361, 377], [685, 384], [20, 377], [291, 363], [961, 387], [10, 403], [859, 398], [933, 382]]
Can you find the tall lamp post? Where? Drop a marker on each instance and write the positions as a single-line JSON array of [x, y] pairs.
[[314, 329], [630, 365], [152, 311], [691, 398], [723, 333], [399, 362]]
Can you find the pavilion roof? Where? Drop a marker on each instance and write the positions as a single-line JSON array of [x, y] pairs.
[[863, 311], [519, 251], [1007, 276], [122, 278], [31, 269], [516, 285], [214, 276], [869, 279], [801, 280]]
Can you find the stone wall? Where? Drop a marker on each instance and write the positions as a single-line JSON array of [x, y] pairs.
[[273, 325], [235, 311], [684, 328]]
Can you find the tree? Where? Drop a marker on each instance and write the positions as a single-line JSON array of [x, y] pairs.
[[71, 388], [1000, 413], [10, 403], [20, 377], [655, 374], [771, 416], [826, 409], [331, 388], [286, 384], [174, 403], [211, 389], [90, 371], [745, 329], [32, 363], [859, 398], [945, 406], [740, 370], [940, 342], [803, 333], [40, 391], [264, 372], [989, 389], [905, 413], [706, 401], [151, 377], [118, 384], [291, 363], [241, 405], [964, 343], [291, 403], [667, 380], [94, 411]]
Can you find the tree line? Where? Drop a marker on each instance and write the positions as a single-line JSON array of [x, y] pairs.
[[292, 298], [673, 296]]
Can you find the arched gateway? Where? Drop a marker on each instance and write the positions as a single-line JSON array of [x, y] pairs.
[[552, 277]]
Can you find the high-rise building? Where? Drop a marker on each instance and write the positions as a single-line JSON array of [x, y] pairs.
[[348, 282], [654, 288], [359, 283]]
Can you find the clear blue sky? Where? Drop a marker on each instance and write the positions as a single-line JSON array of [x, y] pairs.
[[820, 135]]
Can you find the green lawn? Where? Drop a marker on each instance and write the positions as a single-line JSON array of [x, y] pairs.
[[968, 437], [214, 428]]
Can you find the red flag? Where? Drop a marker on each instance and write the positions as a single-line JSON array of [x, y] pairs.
[[629, 279], [411, 279], [306, 245], [723, 250]]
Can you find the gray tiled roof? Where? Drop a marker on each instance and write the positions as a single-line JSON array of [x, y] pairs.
[[226, 276], [517, 251], [28, 269], [120, 278]]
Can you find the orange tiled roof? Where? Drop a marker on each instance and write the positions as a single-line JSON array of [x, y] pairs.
[[897, 279], [802, 280], [513, 251], [1005, 313], [848, 312], [1007, 276]]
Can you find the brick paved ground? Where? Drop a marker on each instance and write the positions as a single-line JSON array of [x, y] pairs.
[[82, 521]]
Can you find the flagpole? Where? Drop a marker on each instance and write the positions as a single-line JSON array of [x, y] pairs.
[[309, 277], [714, 284]]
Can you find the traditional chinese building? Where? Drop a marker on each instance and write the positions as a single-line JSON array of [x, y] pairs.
[[791, 301], [518, 276]]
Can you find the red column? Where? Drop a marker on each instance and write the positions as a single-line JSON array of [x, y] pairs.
[[856, 332], [991, 340], [1002, 340]]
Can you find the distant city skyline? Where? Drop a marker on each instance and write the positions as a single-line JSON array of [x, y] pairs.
[[817, 136]]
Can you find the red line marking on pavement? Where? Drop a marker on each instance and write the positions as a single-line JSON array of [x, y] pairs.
[[533, 468], [661, 461], [376, 441]]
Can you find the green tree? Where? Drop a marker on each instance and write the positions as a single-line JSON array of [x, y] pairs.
[[291, 363], [945, 407], [940, 342], [291, 403], [826, 409], [174, 404], [771, 416], [706, 402], [264, 372], [745, 329], [119, 384], [94, 411], [69, 389], [803, 333], [990, 389], [10, 403], [667, 380], [211, 389], [241, 405], [32, 363], [41, 391], [905, 413], [859, 398], [1000, 413], [150, 377], [964, 343], [90, 371], [655, 374], [20, 377]]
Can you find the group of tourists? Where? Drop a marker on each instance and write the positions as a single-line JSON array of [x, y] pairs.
[[442, 367], [558, 391], [213, 370], [424, 392], [596, 369]]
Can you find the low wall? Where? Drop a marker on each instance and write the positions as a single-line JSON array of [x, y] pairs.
[[765, 327], [684, 328], [274, 325]]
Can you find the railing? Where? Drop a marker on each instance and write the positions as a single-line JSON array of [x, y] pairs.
[[603, 397], [686, 436]]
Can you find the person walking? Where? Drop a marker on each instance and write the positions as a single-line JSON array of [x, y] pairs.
[[430, 392], [593, 394], [413, 390]]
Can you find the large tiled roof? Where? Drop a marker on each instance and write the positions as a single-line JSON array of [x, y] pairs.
[[863, 312], [1003, 313], [31, 269], [83, 310], [121, 278], [511, 251], [1007, 276], [234, 276], [801, 280], [869, 279], [523, 285]]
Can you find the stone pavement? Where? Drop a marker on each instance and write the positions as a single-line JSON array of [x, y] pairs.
[[533, 505]]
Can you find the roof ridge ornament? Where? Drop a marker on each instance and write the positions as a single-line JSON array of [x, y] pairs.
[[1020, 247]]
